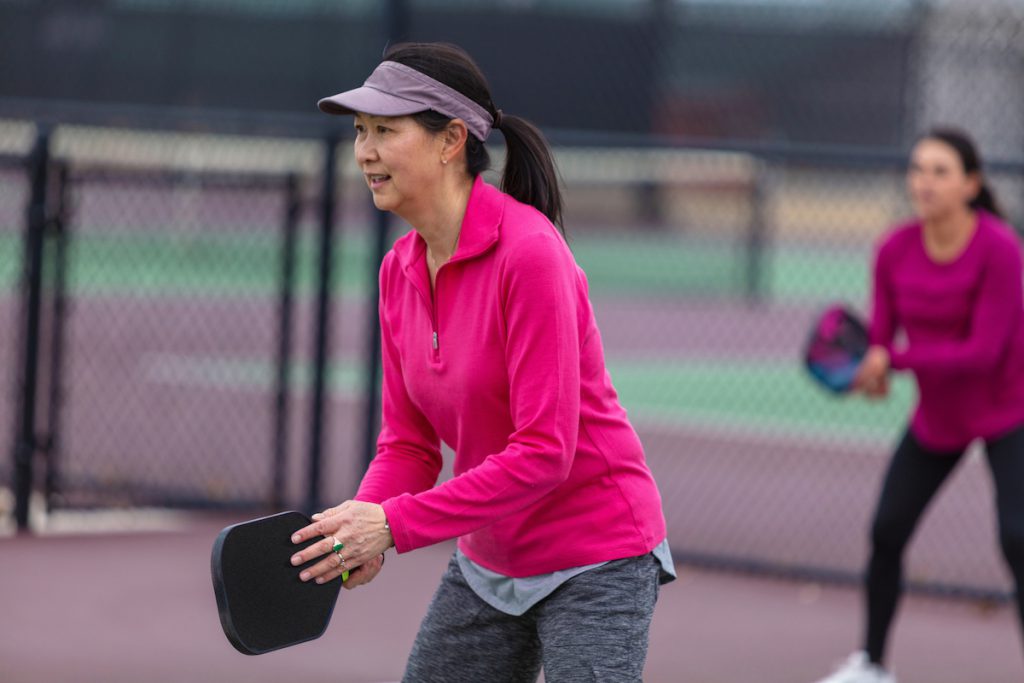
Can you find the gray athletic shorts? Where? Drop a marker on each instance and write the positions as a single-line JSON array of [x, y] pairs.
[[594, 627]]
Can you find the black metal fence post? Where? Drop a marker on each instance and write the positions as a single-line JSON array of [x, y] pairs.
[[371, 408], [289, 234], [397, 28], [32, 285], [59, 235], [322, 317]]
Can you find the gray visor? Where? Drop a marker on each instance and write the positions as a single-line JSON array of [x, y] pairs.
[[395, 89]]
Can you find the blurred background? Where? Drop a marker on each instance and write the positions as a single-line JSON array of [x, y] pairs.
[[188, 258]]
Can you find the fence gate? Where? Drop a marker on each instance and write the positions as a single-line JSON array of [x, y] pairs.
[[171, 372]]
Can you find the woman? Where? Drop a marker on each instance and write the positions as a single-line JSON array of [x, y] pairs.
[[490, 345], [951, 281]]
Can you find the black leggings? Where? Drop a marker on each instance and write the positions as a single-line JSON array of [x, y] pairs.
[[915, 475]]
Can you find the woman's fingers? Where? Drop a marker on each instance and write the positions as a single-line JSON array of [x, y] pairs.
[[365, 573], [356, 551], [868, 376], [876, 388], [333, 563], [335, 557], [315, 550], [335, 573], [358, 576], [323, 524], [353, 531], [320, 528], [330, 512]]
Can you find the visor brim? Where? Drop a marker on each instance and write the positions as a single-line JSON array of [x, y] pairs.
[[366, 100]]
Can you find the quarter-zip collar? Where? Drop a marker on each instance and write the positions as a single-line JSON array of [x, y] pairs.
[[479, 232]]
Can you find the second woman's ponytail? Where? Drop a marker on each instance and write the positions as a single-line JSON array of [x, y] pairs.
[[986, 200]]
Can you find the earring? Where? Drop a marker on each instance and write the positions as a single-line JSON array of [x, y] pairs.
[[444, 161]]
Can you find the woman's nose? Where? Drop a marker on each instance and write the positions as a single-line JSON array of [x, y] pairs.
[[365, 152]]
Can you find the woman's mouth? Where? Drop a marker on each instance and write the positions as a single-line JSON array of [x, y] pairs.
[[376, 180]]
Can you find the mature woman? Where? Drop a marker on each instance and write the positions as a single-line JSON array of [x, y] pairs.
[[951, 281], [490, 345]]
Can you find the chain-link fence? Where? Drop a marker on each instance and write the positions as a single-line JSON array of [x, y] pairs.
[[728, 166], [186, 279], [170, 349], [15, 140], [172, 329]]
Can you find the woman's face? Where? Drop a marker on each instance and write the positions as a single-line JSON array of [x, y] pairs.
[[936, 181], [400, 161]]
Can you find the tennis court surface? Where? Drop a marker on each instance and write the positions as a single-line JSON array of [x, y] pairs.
[[139, 606]]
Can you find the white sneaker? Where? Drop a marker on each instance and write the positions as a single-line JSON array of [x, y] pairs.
[[857, 669]]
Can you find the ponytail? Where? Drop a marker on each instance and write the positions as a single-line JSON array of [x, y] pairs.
[[530, 174]]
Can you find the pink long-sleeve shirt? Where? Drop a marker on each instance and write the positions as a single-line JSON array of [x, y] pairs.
[[963, 324], [503, 362]]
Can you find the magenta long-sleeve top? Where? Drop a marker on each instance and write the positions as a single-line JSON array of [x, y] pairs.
[[502, 361], [963, 331]]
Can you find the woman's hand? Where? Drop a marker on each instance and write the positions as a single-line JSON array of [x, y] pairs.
[[362, 574], [872, 376], [360, 528]]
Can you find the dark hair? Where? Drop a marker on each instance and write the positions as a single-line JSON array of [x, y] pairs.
[[529, 173], [968, 152]]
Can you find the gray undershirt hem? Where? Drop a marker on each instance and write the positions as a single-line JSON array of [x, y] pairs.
[[515, 596]]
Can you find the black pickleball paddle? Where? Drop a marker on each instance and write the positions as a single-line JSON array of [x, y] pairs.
[[262, 603]]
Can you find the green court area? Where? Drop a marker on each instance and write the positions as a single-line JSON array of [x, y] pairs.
[[225, 264], [767, 396], [773, 399], [671, 266], [200, 266]]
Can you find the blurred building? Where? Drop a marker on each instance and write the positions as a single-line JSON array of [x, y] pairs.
[[865, 72]]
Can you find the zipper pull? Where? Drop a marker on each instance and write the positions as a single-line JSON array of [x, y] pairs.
[[435, 341]]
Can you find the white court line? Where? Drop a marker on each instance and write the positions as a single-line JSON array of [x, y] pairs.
[[243, 373], [837, 442], [98, 521], [833, 440]]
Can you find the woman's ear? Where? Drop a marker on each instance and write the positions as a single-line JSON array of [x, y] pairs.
[[454, 139], [973, 186]]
